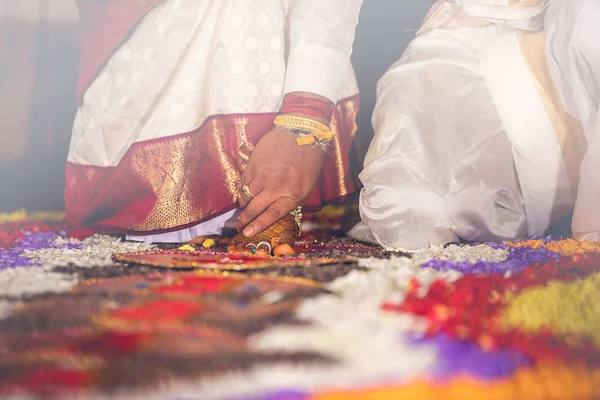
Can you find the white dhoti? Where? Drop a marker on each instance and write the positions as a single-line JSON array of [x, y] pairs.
[[471, 139], [574, 60]]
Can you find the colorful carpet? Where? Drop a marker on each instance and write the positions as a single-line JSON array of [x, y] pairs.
[[104, 318]]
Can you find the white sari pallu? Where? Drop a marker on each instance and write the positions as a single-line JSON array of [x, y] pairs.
[[472, 141]]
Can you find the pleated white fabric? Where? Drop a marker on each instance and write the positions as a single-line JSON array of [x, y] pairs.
[[440, 166], [573, 50], [464, 145]]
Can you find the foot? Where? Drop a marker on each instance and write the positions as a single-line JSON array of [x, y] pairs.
[[281, 236]]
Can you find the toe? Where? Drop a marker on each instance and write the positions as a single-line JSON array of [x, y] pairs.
[[239, 245], [262, 251], [234, 245], [283, 250]]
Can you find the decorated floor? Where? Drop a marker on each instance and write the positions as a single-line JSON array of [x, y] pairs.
[[108, 319]]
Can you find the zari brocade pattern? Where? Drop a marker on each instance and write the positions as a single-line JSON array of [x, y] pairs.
[[169, 183]]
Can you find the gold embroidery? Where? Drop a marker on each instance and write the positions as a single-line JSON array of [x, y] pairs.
[[163, 167], [337, 154], [350, 109], [181, 180], [232, 174], [245, 148]]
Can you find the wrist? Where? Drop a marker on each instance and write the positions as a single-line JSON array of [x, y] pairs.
[[308, 105], [308, 116], [308, 130], [323, 121]]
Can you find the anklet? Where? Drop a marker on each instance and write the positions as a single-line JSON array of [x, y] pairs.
[[297, 214]]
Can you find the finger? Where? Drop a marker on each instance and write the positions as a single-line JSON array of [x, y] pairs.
[[245, 199], [272, 214], [255, 207], [248, 180], [247, 175], [233, 245]]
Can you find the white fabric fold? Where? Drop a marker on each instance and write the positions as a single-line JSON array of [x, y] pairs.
[[470, 143], [455, 14], [440, 166], [574, 60]]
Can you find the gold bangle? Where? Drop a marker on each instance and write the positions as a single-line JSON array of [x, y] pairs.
[[300, 123], [315, 129]]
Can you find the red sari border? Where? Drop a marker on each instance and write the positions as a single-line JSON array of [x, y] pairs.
[[168, 184]]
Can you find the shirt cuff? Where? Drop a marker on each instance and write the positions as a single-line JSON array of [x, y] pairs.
[[315, 69]]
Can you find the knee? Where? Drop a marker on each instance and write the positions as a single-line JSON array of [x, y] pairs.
[[404, 219]]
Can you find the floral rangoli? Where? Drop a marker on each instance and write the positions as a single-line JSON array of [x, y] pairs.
[[107, 318]]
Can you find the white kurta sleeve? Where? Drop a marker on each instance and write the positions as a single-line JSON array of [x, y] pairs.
[[320, 45]]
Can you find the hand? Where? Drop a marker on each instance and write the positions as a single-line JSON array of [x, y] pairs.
[[280, 175]]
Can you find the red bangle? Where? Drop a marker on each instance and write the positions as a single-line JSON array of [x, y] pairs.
[[309, 107]]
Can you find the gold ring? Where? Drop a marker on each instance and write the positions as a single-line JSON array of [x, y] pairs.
[[247, 192]]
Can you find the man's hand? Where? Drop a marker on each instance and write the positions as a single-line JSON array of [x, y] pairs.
[[280, 175]]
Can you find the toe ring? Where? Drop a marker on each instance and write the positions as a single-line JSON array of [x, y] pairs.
[[265, 244], [252, 247]]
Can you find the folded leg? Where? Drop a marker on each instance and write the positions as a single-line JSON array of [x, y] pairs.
[[573, 52], [440, 167]]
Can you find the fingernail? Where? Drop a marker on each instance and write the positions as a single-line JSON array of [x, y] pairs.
[[248, 232]]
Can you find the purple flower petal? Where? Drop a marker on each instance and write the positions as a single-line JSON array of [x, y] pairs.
[[14, 257], [279, 395], [518, 259], [458, 357]]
